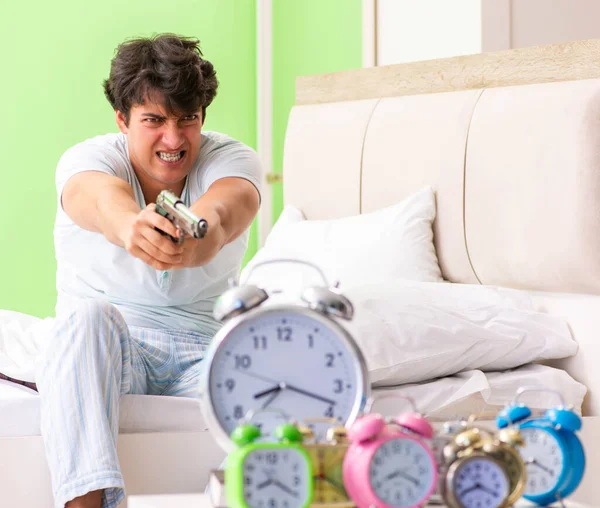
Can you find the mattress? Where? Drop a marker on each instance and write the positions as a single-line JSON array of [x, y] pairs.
[[441, 399]]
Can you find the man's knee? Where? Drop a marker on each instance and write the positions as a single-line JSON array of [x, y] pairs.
[[92, 322], [96, 313]]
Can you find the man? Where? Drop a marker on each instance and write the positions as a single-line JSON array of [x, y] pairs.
[[134, 309]]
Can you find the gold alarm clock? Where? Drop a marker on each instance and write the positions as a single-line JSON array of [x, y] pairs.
[[483, 468], [327, 458]]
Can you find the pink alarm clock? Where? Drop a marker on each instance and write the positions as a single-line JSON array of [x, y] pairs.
[[388, 463]]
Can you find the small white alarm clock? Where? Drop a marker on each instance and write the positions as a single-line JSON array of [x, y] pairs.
[[291, 356]]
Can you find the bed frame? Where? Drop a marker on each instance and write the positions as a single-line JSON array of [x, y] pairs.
[[510, 141]]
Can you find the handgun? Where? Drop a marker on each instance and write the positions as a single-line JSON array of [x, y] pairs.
[[173, 209]]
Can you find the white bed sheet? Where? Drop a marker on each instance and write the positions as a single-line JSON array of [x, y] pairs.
[[446, 398]]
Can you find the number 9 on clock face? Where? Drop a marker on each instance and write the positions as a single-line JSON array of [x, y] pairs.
[[291, 358]]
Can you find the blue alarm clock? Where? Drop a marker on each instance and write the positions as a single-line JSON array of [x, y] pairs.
[[553, 453]]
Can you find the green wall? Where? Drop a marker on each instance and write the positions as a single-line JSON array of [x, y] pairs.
[[54, 58], [309, 37]]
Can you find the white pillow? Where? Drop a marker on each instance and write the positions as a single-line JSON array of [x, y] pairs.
[[413, 331], [392, 243]]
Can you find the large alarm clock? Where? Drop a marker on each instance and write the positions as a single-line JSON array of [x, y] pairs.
[[293, 356]]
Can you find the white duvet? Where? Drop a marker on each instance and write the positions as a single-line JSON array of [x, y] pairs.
[[408, 332], [21, 338]]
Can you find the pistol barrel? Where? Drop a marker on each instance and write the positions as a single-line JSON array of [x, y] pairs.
[[176, 211]]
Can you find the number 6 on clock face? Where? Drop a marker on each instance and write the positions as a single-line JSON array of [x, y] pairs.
[[287, 357]]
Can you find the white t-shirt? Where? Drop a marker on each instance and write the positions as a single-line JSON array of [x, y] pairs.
[[89, 266]]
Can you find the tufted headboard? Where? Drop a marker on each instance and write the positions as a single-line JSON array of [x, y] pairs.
[[510, 142]]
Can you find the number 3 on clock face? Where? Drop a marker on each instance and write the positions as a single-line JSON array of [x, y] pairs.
[[285, 357]]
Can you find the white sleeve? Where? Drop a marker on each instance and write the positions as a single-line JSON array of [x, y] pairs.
[[89, 156], [231, 160]]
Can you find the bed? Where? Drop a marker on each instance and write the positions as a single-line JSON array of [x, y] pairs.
[[508, 142]]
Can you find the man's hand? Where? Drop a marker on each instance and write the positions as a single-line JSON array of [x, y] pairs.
[[228, 206], [140, 239], [200, 251]]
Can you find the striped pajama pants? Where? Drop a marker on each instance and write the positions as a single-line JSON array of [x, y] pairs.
[[92, 358]]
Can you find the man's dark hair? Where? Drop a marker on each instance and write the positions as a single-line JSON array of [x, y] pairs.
[[168, 64]]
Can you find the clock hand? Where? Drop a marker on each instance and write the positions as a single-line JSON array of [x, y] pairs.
[[275, 391], [285, 488], [489, 491], [289, 387], [258, 376], [533, 460], [277, 388], [470, 489], [264, 484], [404, 475], [310, 394], [270, 399]]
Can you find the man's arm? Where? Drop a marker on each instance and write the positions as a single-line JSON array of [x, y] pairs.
[[229, 207], [99, 202], [105, 204]]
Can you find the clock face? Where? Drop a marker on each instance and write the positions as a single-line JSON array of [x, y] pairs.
[[480, 482], [328, 483], [275, 478], [401, 472], [544, 460], [293, 361]]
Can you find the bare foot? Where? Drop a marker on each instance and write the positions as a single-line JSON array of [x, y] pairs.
[[89, 500]]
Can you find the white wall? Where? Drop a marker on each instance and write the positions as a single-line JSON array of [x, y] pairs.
[[413, 30]]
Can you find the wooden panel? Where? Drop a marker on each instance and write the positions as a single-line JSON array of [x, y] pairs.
[[538, 64]]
